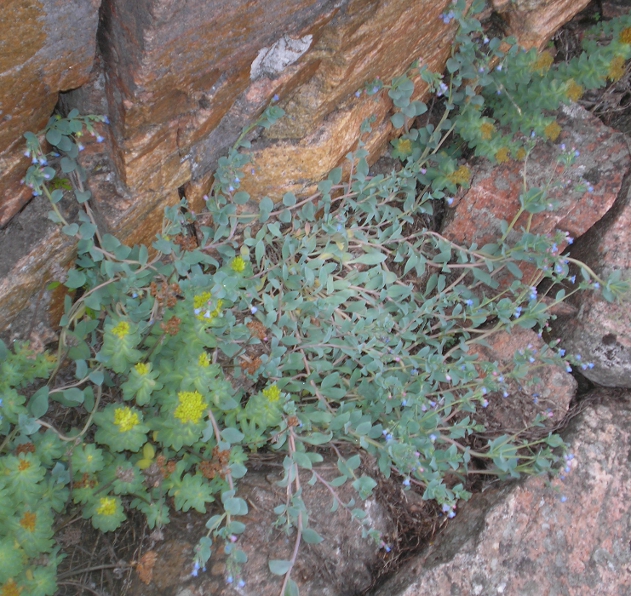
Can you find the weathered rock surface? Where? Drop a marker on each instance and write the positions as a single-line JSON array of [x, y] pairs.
[[569, 538], [494, 194], [601, 332], [534, 22], [341, 564], [45, 47]]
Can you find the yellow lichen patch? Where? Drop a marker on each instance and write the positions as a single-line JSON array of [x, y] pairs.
[[487, 130], [461, 176], [552, 131], [502, 155], [543, 62], [121, 330], [616, 69], [191, 406], [28, 521], [574, 91], [272, 393], [107, 506], [125, 419]]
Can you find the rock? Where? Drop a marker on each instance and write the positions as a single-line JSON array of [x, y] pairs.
[[547, 390], [341, 564], [601, 332], [45, 46], [571, 537], [535, 21], [494, 194]]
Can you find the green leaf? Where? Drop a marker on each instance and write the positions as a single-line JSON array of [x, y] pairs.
[[70, 230], [232, 435], [241, 197], [38, 404], [289, 199], [398, 120], [371, 258], [311, 536], [82, 196], [53, 136], [75, 280], [279, 567], [291, 589]]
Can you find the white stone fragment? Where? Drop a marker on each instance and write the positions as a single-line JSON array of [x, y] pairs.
[[279, 56]]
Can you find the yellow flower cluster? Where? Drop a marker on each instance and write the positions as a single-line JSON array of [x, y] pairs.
[[487, 130], [11, 589], [125, 419], [28, 521], [142, 369], [272, 393], [107, 506], [502, 155], [574, 91], [121, 330], [543, 62], [404, 146], [521, 153], [201, 306], [461, 176], [204, 360], [616, 69], [191, 406], [237, 265], [625, 35], [552, 131]]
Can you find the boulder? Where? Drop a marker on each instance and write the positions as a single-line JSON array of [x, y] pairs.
[[570, 536], [601, 331], [583, 192]]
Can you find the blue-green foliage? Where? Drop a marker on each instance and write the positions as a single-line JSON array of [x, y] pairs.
[[309, 323]]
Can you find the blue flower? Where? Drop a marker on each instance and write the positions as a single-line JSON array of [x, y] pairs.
[[195, 570], [231, 188], [451, 514], [533, 293], [561, 352], [406, 482], [432, 437], [577, 153], [596, 285], [590, 365], [253, 309], [568, 368], [505, 394], [573, 279], [469, 302], [563, 499], [229, 579], [276, 97], [499, 68], [99, 139], [449, 200], [241, 583], [562, 146], [590, 189], [358, 93]]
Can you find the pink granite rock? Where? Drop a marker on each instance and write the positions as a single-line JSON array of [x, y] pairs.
[[535, 539], [494, 194], [601, 332]]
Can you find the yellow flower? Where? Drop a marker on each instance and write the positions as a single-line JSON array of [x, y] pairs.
[[28, 521], [616, 69], [502, 155], [191, 406], [204, 360], [543, 62], [487, 130], [202, 307], [404, 146], [24, 464], [121, 330], [237, 265], [573, 90], [552, 131], [107, 506], [461, 176], [625, 35], [125, 419], [11, 589], [201, 300], [521, 153], [272, 393], [142, 368]]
